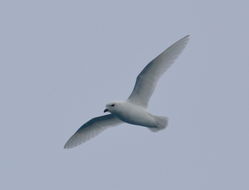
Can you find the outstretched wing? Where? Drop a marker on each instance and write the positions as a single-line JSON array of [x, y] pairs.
[[92, 128], [147, 79]]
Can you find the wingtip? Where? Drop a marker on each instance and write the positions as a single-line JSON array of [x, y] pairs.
[[183, 40], [71, 143], [66, 146], [187, 37], [69, 146]]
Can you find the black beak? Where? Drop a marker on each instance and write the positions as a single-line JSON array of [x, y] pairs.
[[106, 110]]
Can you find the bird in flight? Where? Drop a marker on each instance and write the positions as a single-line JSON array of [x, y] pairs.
[[134, 109]]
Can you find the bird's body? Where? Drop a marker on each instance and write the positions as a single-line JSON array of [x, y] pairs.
[[134, 109], [133, 114]]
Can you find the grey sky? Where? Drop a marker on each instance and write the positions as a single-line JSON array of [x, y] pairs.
[[62, 61]]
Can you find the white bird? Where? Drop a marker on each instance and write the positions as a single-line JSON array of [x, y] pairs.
[[133, 110]]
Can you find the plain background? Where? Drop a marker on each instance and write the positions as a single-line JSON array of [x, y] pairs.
[[62, 61]]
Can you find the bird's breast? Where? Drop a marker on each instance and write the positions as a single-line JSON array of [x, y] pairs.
[[136, 115]]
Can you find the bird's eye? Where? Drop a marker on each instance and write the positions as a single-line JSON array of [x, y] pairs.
[[112, 105]]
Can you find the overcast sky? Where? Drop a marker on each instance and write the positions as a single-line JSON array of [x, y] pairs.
[[62, 61]]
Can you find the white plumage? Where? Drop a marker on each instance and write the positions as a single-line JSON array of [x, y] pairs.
[[133, 110]]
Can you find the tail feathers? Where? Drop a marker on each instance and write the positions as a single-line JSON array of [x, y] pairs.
[[161, 123]]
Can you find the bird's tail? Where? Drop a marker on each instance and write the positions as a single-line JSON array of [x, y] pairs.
[[161, 123]]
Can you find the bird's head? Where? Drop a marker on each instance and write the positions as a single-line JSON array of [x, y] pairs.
[[111, 107]]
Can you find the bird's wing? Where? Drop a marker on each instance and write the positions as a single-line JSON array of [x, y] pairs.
[[92, 128], [147, 79]]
